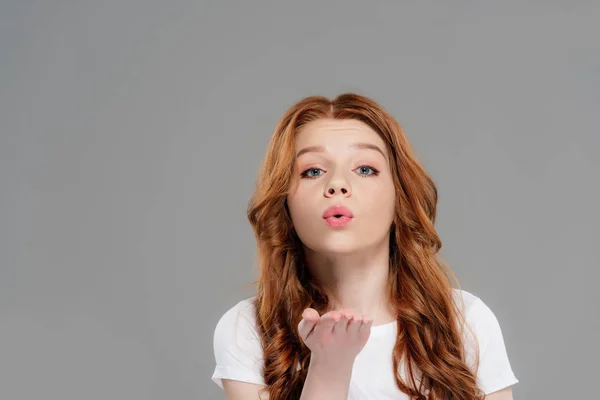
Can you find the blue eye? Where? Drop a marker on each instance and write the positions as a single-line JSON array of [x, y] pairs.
[[363, 172], [307, 174], [362, 168]]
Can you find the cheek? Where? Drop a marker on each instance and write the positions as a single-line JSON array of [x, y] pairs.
[[299, 206], [292, 199], [382, 198], [382, 192]]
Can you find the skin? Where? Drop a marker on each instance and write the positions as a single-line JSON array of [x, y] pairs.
[[352, 260]]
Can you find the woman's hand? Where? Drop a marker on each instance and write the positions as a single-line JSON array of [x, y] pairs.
[[335, 337]]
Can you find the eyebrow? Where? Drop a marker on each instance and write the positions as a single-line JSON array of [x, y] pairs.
[[320, 149]]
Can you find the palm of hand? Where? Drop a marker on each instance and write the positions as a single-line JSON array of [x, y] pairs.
[[336, 336]]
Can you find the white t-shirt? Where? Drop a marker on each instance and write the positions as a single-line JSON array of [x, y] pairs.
[[239, 355]]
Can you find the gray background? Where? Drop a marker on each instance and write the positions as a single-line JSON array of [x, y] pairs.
[[132, 131]]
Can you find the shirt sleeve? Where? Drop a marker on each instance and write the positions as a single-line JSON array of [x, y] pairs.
[[237, 347], [494, 372]]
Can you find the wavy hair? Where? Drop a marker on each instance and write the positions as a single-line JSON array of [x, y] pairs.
[[430, 323]]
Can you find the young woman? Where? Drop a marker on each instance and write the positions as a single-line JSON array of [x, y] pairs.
[[353, 301]]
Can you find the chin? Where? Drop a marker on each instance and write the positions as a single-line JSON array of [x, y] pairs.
[[336, 245]]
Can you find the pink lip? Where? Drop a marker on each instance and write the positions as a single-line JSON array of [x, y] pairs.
[[337, 210], [343, 219], [335, 222]]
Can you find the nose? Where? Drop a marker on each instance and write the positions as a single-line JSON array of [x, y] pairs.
[[337, 187]]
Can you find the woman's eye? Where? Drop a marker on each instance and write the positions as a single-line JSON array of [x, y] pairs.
[[363, 170], [308, 173]]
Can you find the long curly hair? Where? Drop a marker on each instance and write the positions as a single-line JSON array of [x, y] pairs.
[[430, 323]]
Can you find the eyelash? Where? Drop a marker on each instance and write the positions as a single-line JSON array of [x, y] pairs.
[[304, 174]]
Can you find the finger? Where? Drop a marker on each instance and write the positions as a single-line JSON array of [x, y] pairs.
[[342, 324], [366, 325], [348, 313], [305, 328], [355, 323], [311, 314], [327, 321], [308, 322]]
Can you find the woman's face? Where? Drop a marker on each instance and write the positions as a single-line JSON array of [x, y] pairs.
[[341, 163]]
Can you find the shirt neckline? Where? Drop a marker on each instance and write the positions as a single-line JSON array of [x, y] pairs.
[[383, 329]]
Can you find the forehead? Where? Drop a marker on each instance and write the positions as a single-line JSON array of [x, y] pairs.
[[332, 133]]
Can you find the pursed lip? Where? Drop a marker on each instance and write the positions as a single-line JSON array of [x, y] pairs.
[[338, 210]]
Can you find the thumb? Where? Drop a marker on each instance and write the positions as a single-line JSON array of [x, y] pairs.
[[310, 317]]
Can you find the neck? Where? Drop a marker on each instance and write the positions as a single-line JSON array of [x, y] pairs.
[[357, 281]]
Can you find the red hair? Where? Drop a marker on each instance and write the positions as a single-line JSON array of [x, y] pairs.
[[430, 323]]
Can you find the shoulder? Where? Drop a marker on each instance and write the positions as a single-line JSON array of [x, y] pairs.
[[239, 317], [484, 343], [237, 346], [237, 328], [479, 319], [477, 315], [466, 300]]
